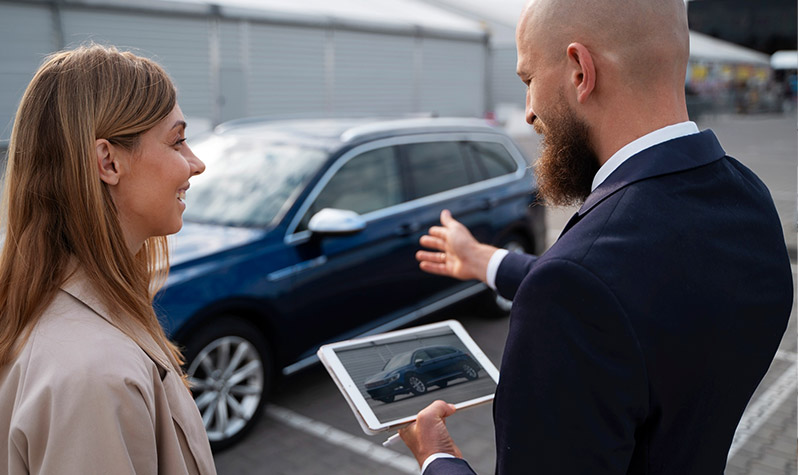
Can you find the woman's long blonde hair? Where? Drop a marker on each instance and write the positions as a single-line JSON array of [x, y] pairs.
[[58, 210]]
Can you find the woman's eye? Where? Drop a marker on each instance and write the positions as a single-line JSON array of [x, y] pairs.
[[179, 142]]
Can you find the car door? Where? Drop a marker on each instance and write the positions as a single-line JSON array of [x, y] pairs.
[[441, 176], [425, 366], [350, 283], [472, 175]]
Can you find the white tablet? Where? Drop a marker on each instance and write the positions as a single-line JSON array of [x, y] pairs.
[[388, 378]]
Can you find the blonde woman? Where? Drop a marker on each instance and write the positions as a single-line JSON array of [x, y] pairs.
[[97, 171]]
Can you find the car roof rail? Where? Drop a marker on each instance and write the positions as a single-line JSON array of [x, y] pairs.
[[418, 125], [314, 116]]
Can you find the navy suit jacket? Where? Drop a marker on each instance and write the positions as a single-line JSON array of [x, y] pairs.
[[637, 340]]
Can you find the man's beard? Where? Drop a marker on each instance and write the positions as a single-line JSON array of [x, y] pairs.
[[567, 162]]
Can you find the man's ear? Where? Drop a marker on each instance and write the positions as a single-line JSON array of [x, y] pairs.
[[107, 162], [582, 71]]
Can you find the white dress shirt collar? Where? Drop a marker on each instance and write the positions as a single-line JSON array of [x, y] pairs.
[[656, 137]]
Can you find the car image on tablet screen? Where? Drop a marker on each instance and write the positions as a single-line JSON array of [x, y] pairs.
[[413, 372]]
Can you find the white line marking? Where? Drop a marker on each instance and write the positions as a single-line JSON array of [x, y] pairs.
[[375, 452], [760, 411]]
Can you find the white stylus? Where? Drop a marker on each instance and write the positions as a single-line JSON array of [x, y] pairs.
[[391, 440]]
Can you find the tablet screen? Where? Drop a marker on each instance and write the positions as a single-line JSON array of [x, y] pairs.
[[395, 375]]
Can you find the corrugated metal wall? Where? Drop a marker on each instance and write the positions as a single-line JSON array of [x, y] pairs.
[[227, 68], [180, 45], [506, 87], [287, 70], [453, 78], [27, 36], [373, 71]]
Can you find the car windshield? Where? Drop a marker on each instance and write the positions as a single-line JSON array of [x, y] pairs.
[[402, 359], [248, 181]]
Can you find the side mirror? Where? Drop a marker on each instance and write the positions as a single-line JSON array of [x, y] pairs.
[[336, 222], [418, 362]]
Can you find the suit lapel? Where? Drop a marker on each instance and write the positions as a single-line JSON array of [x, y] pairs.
[[574, 219], [673, 156]]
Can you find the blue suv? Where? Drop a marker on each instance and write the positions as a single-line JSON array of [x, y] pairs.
[[413, 372], [304, 232]]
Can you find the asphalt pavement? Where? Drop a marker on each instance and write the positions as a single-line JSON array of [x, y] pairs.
[[309, 429]]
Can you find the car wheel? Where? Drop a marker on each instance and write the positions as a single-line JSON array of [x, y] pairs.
[[494, 304], [469, 371], [387, 399], [416, 385], [229, 366]]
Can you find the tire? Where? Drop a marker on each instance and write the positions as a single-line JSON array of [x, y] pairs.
[[387, 399], [230, 367], [494, 305], [469, 371], [416, 384]]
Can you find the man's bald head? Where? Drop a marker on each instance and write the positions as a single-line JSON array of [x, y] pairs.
[[643, 40], [599, 74]]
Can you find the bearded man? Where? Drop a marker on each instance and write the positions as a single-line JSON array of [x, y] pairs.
[[637, 339]]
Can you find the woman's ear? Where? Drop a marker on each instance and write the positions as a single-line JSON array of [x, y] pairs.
[[582, 71], [107, 162]]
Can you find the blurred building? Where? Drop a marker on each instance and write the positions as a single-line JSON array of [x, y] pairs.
[[283, 58], [745, 84], [240, 58], [721, 76], [725, 77]]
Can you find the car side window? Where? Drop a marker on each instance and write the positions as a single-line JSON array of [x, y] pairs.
[[492, 158], [436, 167], [436, 352], [420, 355], [366, 183]]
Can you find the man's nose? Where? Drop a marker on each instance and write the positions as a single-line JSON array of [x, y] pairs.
[[530, 115]]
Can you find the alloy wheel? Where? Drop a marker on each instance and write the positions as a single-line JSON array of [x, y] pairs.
[[416, 384], [227, 378]]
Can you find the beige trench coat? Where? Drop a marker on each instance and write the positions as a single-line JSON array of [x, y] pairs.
[[84, 398]]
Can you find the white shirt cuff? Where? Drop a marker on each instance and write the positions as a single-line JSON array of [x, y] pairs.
[[434, 457], [493, 267]]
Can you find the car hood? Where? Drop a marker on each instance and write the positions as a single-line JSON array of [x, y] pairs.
[[199, 240]]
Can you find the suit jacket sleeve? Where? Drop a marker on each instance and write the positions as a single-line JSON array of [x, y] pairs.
[[573, 386], [512, 270], [449, 466]]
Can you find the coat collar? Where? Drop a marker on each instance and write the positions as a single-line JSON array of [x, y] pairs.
[[78, 285], [673, 156]]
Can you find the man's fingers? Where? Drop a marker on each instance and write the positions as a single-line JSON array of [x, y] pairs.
[[434, 268], [446, 217], [432, 242], [428, 435], [437, 257], [438, 232], [437, 410]]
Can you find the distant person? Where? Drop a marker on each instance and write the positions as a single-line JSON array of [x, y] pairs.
[[98, 169], [637, 339]]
